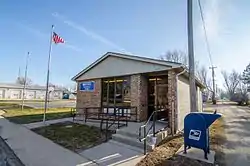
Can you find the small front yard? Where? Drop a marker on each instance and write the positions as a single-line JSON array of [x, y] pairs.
[[14, 113], [76, 137], [164, 154]]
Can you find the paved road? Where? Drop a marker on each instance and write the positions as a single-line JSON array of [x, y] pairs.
[[237, 146]]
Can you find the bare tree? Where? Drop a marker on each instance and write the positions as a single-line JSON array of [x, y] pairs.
[[231, 81], [21, 81], [246, 75], [176, 56], [204, 78], [51, 84], [179, 57], [73, 87]]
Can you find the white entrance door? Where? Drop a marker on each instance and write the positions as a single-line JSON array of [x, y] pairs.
[[15, 94], [1, 93], [30, 95]]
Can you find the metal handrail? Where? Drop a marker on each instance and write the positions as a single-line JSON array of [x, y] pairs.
[[99, 113], [145, 132], [149, 119]]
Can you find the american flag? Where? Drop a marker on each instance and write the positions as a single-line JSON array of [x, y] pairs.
[[57, 39]]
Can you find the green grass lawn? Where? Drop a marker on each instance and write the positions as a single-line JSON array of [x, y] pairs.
[[73, 136], [14, 113]]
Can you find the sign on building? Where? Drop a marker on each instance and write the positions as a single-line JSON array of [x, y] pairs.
[[87, 86]]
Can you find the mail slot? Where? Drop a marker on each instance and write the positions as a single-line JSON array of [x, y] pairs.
[[196, 130]]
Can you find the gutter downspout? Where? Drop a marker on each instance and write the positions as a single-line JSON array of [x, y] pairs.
[[177, 98]]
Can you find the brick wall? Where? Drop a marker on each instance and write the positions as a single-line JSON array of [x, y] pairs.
[[172, 104], [89, 99], [139, 97]]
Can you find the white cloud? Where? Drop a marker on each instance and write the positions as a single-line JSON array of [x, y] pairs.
[[45, 36], [228, 36], [88, 32], [73, 47], [33, 31], [212, 17]]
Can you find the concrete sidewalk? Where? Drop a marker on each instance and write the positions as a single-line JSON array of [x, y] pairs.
[[113, 153], [35, 150]]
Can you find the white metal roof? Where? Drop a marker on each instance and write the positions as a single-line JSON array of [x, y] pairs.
[[130, 57], [19, 86]]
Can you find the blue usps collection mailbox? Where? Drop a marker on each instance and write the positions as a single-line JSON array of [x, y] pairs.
[[196, 133]]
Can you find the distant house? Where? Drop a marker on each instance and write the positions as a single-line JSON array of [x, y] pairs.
[[15, 91]]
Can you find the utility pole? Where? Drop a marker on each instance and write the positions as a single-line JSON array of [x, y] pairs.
[[19, 72], [25, 79], [192, 87], [214, 90]]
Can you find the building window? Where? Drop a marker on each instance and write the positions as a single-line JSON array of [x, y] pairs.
[[116, 91]]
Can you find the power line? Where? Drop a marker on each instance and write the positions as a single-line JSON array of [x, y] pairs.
[[205, 33], [209, 51]]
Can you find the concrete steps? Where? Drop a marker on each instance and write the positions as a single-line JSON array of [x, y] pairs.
[[140, 150], [132, 141], [130, 136]]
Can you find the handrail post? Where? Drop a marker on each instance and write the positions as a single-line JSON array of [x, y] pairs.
[[101, 124], [154, 119], [118, 120], [99, 111], [86, 114], [136, 113], [106, 133], [145, 141], [127, 117], [140, 134]]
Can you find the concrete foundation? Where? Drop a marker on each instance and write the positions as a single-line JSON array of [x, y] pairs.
[[197, 154]]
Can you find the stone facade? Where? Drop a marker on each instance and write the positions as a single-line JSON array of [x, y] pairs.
[[139, 97], [89, 99], [172, 97]]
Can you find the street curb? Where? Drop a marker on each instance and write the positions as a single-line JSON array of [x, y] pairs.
[[8, 156]]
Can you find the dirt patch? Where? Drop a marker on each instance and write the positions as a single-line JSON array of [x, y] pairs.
[[164, 154]]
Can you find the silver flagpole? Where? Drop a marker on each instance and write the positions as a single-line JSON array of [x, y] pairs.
[[25, 78], [48, 72]]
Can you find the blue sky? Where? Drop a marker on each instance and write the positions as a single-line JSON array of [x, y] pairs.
[[91, 28]]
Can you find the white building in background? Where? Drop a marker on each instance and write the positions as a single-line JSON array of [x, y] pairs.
[[15, 91]]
